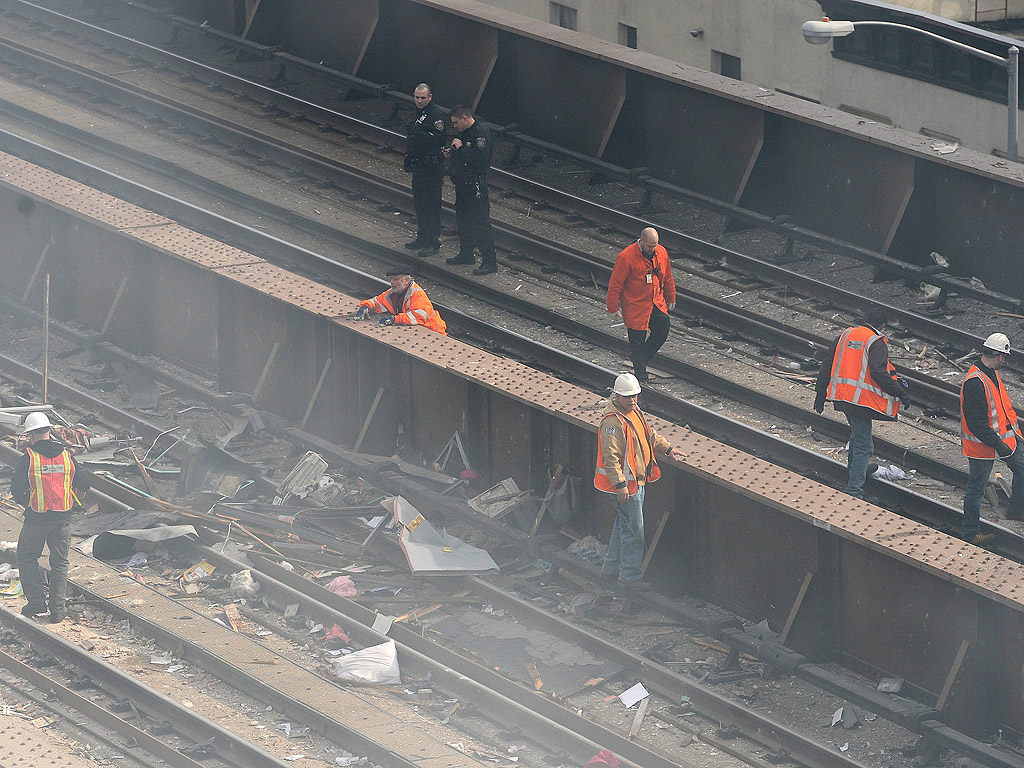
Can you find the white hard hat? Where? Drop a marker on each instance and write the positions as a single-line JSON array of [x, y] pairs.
[[36, 420], [997, 343], [626, 385]]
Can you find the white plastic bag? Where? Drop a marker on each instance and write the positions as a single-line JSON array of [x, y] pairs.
[[376, 665]]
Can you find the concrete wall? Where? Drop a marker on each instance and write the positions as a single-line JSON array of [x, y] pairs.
[[765, 36]]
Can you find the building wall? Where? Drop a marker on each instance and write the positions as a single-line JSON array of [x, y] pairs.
[[765, 36]]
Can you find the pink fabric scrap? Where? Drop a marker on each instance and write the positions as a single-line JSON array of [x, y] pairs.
[[337, 633], [343, 585], [604, 757]]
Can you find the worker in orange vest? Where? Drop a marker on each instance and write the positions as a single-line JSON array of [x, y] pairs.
[[49, 485], [857, 377], [626, 448], [405, 303], [988, 428]]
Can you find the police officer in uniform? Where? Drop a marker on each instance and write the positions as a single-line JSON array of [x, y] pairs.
[[424, 158], [470, 154], [48, 484]]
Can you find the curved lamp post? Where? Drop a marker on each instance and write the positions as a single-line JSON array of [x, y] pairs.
[[819, 32]]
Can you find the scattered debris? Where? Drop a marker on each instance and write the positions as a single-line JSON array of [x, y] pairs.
[[243, 584]]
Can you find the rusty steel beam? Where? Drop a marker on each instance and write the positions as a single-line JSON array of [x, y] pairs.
[[716, 497], [338, 32], [415, 43], [776, 154]]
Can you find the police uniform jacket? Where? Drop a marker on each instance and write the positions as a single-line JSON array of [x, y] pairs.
[[20, 487], [472, 160], [426, 138]]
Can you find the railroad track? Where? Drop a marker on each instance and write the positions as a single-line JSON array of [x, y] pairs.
[[323, 606], [112, 708], [674, 408]]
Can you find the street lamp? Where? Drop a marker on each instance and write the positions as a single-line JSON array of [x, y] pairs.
[[819, 32]]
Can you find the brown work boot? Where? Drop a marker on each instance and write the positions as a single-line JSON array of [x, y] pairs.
[[636, 586], [982, 539]]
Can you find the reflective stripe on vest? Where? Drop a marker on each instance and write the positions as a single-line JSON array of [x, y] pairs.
[[50, 482], [851, 380], [998, 405], [602, 480]]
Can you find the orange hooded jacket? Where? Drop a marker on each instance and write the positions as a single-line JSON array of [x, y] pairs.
[[628, 287]]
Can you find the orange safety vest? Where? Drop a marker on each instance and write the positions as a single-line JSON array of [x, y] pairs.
[[1001, 417], [851, 380], [651, 473], [416, 309], [50, 482]]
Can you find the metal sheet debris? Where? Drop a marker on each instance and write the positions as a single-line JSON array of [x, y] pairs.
[[429, 550]]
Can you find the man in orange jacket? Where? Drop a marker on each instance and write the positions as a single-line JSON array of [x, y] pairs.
[[642, 285], [405, 303], [988, 428]]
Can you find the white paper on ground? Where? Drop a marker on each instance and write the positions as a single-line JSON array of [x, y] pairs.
[[633, 695]]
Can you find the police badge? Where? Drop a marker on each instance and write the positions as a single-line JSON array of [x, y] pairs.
[[481, 142], [439, 125]]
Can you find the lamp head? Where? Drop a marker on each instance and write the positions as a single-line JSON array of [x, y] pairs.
[[820, 32]]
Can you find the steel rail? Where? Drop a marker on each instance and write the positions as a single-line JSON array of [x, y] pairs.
[[496, 703], [290, 587], [708, 252], [916, 718], [115, 683], [753, 440], [635, 176], [699, 376], [795, 340]]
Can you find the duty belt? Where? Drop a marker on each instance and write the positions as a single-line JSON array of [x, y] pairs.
[[427, 161]]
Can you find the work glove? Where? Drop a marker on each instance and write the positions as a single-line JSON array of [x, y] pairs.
[[1004, 450], [819, 404], [904, 389], [386, 320], [362, 312]]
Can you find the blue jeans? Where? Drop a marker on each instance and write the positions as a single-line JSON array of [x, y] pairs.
[[626, 547], [980, 471], [861, 448]]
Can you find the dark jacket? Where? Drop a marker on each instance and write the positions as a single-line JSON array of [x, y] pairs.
[[472, 160], [50, 448], [975, 408], [878, 359], [425, 138]]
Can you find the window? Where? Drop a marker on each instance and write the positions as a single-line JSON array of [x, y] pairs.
[[627, 35], [563, 16], [727, 65]]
